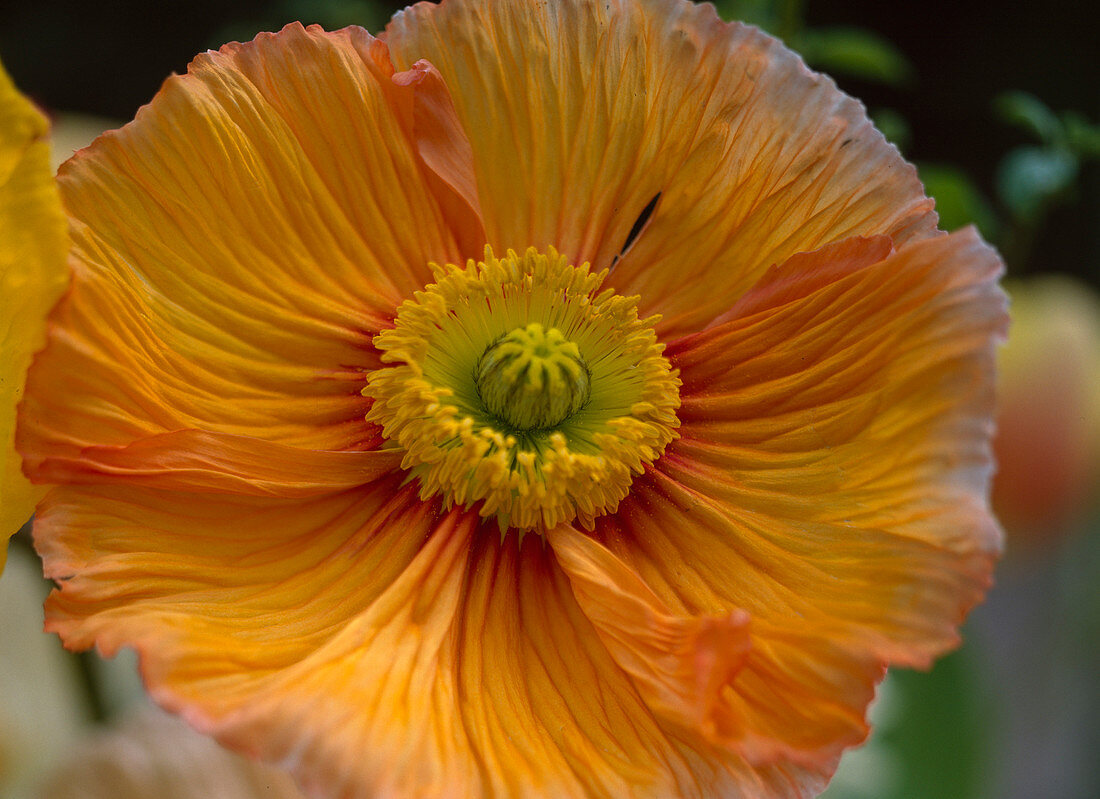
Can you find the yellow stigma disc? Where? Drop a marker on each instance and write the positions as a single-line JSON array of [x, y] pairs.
[[532, 378]]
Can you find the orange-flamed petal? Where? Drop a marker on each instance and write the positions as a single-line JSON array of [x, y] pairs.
[[681, 664], [863, 401], [373, 646], [200, 460], [255, 581], [580, 113], [32, 276], [766, 692], [830, 481], [828, 607], [837, 445], [239, 244]]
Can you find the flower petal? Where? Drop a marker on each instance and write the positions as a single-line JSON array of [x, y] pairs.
[[238, 245], [681, 664], [303, 134], [199, 460], [873, 391], [833, 467], [834, 451], [372, 646], [442, 144], [767, 692], [466, 678], [251, 580], [32, 276], [582, 112], [541, 90]]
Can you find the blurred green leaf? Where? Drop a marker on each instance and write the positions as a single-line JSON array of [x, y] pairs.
[[943, 737], [958, 200], [1082, 136], [1030, 177], [893, 126], [329, 14], [333, 14], [763, 14], [1030, 113], [929, 740], [856, 52]]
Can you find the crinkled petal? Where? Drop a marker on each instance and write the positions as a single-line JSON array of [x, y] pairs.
[[581, 112], [199, 460], [863, 401], [767, 692], [834, 448], [373, 646], [239, 244], [828, 607], [830, 481], [33, 274], [254, 581], [681, 664], [445, 150]]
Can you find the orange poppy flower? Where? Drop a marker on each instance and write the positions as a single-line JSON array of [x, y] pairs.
[[544, 399]]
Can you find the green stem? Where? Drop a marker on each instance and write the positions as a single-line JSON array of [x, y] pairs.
[[86, 663]]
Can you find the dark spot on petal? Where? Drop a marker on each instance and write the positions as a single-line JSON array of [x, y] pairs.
[[640, 223]]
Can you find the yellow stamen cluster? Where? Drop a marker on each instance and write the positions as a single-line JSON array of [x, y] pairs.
[[515, 383]]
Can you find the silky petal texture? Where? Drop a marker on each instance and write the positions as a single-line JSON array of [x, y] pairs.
[[581, 112], [372, 647], [833, 465], [681, 664], [767, 692], [197, 460], [237, 247], [33, 275]]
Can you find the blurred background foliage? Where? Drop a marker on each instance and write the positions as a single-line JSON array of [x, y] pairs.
[[999, 109]]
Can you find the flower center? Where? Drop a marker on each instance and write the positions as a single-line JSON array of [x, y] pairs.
[[516, 386], [533, 378]]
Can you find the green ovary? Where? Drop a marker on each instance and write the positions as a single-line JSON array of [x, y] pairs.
[[532, 378]]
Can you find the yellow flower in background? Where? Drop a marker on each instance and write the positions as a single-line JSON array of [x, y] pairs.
[[1048, 419], [32, 276], [545, 399]]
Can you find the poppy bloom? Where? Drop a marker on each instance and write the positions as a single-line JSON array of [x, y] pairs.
[[543, 399]]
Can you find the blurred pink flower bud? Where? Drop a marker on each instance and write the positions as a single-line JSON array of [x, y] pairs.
[[1048, 439]]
